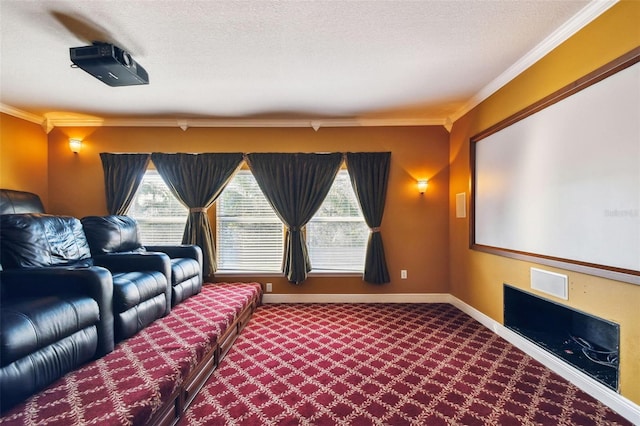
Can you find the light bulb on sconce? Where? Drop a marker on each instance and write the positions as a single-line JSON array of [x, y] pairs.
[[422, 186], [75, 145]]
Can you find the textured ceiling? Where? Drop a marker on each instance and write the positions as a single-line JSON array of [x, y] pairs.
[[271, 59]]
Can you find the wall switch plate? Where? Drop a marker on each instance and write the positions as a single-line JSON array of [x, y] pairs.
[[269, 287], [461, 204], [403, 274]]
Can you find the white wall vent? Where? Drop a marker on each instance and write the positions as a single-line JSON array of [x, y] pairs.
[[550, 283]]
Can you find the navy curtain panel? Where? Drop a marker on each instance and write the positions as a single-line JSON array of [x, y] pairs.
[[122, 176], [295, 185], [197, 180], [369, 174]]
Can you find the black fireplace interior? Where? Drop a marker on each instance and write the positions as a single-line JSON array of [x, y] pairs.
[[590, 344]]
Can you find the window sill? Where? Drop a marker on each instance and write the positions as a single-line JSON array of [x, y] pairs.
[[280, 274], [247, 274], [335, 274]]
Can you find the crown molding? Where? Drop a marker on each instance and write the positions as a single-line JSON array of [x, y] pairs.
[[48, 123], [18, 113], [559, 36], [185, 124]]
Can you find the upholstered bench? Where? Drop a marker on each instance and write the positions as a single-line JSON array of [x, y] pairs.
[[150, 378]]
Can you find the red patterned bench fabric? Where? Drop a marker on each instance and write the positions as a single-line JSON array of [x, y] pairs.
[[129, 385]]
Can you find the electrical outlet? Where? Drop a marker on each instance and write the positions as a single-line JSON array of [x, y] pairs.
[[403, 274], [269, 287]]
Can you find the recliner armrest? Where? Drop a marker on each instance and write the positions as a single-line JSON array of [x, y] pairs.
[[129, 262], [190, 251], [94, 282]]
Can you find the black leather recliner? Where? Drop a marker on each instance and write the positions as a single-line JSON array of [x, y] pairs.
[[141, 279], [55, 308], [186, 270], [106, 232]]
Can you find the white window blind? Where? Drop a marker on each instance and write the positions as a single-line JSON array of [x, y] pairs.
[[161, 217], [337, 235], [249, 234]]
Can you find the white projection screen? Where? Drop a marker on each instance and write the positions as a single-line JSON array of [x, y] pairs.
[[559, 183]]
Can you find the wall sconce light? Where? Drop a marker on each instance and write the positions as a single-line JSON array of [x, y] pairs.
[[422, 186], [75, 145]]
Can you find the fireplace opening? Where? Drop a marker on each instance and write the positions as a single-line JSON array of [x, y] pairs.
[[588, 343]]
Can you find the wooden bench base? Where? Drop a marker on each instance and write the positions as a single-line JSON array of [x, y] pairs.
[[171, 412]]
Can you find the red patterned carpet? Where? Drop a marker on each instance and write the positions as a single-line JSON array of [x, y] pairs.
[[396, 364]]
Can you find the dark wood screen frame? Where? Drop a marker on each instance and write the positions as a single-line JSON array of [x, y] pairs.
[[631, 276]]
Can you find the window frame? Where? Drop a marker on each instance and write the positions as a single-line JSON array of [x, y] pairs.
[[162, 220], [313, 272], [343, 174], [277, 271]]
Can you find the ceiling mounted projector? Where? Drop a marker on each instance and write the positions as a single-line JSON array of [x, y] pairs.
[[109, 64]]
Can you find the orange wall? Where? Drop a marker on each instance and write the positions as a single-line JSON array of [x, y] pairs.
[[477, 278], [414, 227], [23, 156]]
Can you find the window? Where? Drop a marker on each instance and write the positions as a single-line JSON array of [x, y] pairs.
[[249, 234], [250, 237], [161, 217], [337, 235]]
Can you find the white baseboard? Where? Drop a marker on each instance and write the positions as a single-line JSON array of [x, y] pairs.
[[357, 298], [626, 408]]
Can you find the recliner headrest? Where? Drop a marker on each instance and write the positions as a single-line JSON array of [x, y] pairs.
[[12, 201], [112, 234], [38, 240]]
